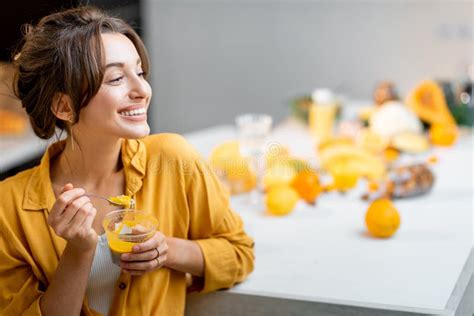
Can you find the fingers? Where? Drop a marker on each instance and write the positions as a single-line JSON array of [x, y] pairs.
[[140, 267], [90, 218], [80, 209], [72, 212], [67, 187], [154, 242], [72, 209], [64, 200], [72, 216], [87, 224], [149, 255]]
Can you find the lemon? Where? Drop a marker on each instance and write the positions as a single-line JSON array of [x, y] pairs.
[[281, 200], [345, 176]]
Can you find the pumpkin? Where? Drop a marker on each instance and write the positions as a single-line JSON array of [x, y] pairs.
[[443, 134], [427, 100]]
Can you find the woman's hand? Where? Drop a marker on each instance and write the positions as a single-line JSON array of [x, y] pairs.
[[71, 218], [147, 256]]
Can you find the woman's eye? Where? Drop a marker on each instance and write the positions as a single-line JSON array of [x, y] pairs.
[[142, 74], [117, 79]]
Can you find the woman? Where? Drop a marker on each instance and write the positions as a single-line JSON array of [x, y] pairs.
[[85, 72]]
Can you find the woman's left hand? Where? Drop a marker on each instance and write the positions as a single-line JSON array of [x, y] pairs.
[[147, 256]]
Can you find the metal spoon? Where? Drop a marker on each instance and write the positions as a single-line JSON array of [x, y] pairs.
[[132, 201]]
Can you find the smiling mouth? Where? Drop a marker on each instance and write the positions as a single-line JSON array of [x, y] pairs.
[[135, 112]]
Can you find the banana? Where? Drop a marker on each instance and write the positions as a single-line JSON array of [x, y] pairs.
[[353, 159]]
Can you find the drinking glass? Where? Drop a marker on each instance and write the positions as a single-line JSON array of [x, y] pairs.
[[253, 130], [321, 121]]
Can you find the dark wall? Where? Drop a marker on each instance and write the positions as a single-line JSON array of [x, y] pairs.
[[20, 12]]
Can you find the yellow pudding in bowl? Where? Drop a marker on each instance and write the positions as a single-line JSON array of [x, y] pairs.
[[126, 228]]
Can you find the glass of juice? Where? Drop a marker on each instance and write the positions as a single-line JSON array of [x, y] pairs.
[[125, 228], [321, 121], [322, 114]]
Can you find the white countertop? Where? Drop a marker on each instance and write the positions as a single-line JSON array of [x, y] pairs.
[[323, 253]]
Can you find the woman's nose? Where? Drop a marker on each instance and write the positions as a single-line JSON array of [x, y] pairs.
[[140, 88]]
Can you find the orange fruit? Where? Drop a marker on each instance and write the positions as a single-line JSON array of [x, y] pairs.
[[382, 218], [391, 154], [281, 200], [443, 134], [306, 183]]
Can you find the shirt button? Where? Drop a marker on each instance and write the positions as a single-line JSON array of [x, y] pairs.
[[122, 285]]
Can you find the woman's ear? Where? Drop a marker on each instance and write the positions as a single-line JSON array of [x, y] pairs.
[[62, 108]]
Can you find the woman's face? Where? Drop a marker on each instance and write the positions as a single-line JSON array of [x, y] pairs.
[[119, 109]]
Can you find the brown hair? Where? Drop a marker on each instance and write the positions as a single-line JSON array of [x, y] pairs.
[[63, 53]]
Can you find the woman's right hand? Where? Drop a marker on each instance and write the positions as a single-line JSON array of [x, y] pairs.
[[71, 218]]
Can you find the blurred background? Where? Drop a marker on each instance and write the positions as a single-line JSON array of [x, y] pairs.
[[226, 57], [212, 60]]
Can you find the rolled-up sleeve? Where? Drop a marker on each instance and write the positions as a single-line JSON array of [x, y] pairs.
[[218, 230]]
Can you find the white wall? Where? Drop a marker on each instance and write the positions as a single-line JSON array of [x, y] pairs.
[[214, 59]]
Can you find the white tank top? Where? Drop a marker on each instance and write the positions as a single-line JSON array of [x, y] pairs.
[[102, 278]]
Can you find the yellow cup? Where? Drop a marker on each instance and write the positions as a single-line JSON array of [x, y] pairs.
[[125, 228], [321, 121]]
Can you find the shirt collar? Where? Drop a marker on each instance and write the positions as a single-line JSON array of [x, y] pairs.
[[39, 193], [134, 163]]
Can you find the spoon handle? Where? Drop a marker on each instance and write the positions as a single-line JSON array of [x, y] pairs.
[[103, 198]]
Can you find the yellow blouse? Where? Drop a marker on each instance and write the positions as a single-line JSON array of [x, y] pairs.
[[166, 176]]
